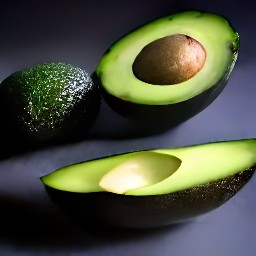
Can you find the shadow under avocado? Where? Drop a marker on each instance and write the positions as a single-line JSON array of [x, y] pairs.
[[22, 223], [111, 125]]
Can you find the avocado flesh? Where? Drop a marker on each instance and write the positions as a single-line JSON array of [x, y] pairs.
[[48, 103], [227, 167], [115, 68], [186, 168]]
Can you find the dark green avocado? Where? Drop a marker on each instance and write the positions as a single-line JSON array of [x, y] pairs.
[[153, 188], [51, 102], [170, 69]]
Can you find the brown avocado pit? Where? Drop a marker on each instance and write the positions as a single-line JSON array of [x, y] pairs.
[[169, 60]]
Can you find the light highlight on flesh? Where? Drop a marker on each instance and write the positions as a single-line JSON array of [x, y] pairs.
[[139, 171]]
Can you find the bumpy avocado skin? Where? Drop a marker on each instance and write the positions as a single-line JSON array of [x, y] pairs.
[[123, 211], [52, 102], [158, 117]]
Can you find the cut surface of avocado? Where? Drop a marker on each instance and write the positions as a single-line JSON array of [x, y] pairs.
[[218, 39], [168, 170]]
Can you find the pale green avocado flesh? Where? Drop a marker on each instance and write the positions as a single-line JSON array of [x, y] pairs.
[[155, 172], [213, 32]]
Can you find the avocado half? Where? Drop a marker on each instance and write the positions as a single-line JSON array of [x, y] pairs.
[[132, 73], [153, 188], [47, 103]]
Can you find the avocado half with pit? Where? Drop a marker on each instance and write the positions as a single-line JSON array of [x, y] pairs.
[[153, 188], [169, 69]]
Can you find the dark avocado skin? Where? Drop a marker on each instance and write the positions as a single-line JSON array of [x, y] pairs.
[[122, 211], [160, 117], [20, 129]]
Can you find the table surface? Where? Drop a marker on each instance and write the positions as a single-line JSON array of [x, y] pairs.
[[78, 32]]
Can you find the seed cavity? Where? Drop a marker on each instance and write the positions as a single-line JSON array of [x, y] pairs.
[[144, 169]]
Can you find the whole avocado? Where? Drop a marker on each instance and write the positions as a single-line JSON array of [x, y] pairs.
[[170, 69], [47, 103]]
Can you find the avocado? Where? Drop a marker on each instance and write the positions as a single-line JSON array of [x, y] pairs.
[[152, 188], [170, 69], [47, 103]]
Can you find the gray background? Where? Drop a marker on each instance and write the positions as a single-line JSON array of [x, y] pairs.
[[78, 33]]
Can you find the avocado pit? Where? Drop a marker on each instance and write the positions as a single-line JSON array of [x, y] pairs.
[[169, 60]]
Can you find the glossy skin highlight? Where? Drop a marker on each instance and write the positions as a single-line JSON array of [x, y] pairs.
[[47, 103]]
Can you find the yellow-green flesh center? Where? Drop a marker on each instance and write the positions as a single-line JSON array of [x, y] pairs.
[[139, 171]]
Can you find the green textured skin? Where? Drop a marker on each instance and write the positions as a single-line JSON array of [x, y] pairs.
[[48, 102]]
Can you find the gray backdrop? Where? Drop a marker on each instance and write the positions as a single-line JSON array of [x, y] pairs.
[[78, 32]]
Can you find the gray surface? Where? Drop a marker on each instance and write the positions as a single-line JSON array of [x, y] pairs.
[[78, 32]]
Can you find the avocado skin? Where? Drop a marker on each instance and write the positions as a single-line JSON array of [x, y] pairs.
[[20, 129], [156, 118], [125, 211]]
